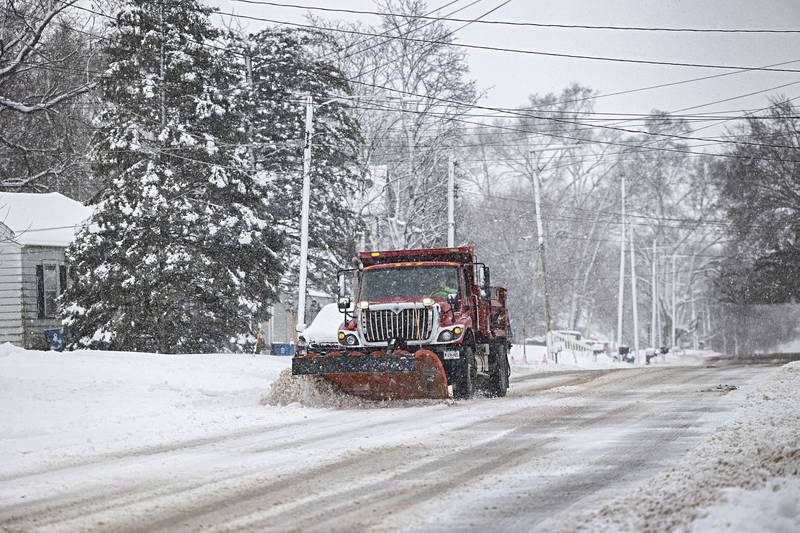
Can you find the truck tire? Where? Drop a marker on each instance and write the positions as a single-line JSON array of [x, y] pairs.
[[464, 384], [498, 379]]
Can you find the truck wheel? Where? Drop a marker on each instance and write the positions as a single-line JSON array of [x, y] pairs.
[[498, 385], [464, 384]]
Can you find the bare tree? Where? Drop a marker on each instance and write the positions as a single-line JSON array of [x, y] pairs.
[[48, 67], [409, 97]]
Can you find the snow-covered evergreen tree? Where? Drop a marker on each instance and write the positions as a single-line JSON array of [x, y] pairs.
[[286, 65], [183, 255]]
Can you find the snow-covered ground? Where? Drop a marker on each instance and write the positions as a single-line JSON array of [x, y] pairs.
[[59, 405], [743, 478], [77, 425]]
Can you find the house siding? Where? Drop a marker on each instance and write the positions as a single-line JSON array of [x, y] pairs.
[[34, 327], [11, 327]]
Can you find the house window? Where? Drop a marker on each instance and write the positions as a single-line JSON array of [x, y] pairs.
[[51, 282], [50, 290]]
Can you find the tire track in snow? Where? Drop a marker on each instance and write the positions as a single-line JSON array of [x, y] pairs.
[[405, 466], [210, 494], [67, 506], [383, 497]]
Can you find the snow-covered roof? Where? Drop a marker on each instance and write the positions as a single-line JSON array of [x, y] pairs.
[[49, 219]]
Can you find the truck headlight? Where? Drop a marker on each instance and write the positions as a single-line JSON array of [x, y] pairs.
[[450, 335], [347, 340]]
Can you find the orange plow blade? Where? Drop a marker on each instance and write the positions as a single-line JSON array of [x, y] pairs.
[[400, 375]]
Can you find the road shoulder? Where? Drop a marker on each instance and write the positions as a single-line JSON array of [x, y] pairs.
[[758, 447]]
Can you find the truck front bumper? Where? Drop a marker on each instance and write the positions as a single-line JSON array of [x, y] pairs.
[[346, 364]]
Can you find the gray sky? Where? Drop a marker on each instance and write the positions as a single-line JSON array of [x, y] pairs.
[[509, 78]]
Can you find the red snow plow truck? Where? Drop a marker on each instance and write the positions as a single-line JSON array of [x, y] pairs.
[[423, 320]]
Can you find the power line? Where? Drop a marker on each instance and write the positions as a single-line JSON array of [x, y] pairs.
[[580, 141], [572, 138], [475, 106], [406, 24], [614, 216], [522, 24], [450, 34], [517, 50]]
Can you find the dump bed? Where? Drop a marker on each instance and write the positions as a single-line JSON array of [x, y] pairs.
[[462, 255]]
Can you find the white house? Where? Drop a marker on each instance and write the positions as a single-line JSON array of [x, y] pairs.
[[35, 230]]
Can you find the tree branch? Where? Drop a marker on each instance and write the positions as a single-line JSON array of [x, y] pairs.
[[32, 108]]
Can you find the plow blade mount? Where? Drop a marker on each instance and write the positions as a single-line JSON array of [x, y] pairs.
[[400, 375]]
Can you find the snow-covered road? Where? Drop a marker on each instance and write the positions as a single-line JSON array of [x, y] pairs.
[[202, 456]]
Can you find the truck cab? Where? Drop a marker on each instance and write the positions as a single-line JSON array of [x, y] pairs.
[[437, 299]]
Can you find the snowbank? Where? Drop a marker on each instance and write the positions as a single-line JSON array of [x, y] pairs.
[[775, 508], [55, 405], [312, 391], [752, 459]]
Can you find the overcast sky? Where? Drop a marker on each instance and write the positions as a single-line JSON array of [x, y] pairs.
[[509, 77]]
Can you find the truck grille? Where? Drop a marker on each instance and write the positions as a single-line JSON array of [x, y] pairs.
[[380, 325]]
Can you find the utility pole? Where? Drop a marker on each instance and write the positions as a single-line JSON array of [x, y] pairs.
[[674, 300], [451, 202], [301, 298], [540, 232], [635, 303], [654, 292], [621, 294]]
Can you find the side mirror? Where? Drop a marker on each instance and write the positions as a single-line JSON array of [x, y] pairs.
[[343, 304], [452, 299], [486, 290]]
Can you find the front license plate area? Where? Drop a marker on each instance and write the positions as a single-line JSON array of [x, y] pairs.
[[452, 354]]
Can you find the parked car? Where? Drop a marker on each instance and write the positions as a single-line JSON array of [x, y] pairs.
[[322, 333]]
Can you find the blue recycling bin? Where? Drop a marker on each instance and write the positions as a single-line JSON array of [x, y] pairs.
[[282, 348], [55, 340]]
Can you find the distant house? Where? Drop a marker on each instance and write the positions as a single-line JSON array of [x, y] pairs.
[[35, 230]]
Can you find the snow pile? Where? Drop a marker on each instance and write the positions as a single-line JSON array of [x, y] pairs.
[[58, 405], [760, 444], [312, 391], [774, 507]]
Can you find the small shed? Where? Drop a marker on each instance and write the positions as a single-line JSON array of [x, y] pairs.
[[35, 230]]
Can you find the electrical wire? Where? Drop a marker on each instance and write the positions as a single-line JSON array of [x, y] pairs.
[[521, 24]]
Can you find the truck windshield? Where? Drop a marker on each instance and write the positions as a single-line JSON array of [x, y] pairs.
[[409, 282]]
